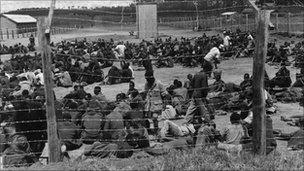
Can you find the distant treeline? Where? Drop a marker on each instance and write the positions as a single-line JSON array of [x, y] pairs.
[[165, 9], [170, 8]]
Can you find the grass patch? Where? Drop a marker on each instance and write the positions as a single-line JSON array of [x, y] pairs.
[[206, 159]]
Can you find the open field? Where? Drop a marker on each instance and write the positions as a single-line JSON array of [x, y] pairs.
[[233, 71]]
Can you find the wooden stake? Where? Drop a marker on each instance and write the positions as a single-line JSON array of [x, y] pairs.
[[247, 23], [45, 50], [277, 22], [259, 112], [303, 21], [221, 22], [288, 26], [1, 35]]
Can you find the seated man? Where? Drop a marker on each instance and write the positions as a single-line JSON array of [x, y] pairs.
[[100, 97], [91, 123], [295, 139], [18, 153], [63, 78], [271, 143], [113, 129], [180, 91], [299, 79], [132, 90], [247, 82], [206, 134], [218, 84], [114, 76], [282, 78], [69, 133], [233, 134], [126, 72], [135, 124], [172, 87], [24, 84]]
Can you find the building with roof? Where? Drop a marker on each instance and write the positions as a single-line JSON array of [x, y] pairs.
[[21, 23]]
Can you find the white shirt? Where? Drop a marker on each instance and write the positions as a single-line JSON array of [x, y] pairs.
[[121, 50], [40, 77], [214, 53], [226, 41], [131, 70], [249, 37]]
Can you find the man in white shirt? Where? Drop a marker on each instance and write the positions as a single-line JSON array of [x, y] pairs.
[[226, 41], [211, 59], [120, 49], [39, 77]]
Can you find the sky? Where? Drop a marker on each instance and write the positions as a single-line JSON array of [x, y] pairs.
[[9, 5]]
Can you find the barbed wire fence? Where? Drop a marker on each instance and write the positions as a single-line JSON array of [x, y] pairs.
[[216, 23], [289, 22]]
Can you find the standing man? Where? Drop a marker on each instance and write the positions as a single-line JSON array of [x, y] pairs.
[[31, 45], [226, 41], [32, 40], [154, 92], [211, 60], [197, 108], [198, 113]]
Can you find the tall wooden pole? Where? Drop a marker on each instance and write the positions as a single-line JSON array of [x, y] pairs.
[[288, 23], [221, 23], [277, 22], [45, 50], [303, 20], [259, 112], [247, 23]]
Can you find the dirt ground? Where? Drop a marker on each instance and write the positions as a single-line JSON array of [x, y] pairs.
[[233, 71]]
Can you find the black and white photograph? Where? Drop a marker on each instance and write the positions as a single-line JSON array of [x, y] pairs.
[[152, 85]]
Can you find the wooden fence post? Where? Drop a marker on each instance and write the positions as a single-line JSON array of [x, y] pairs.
[[7, 33], [288, 22], [240, 21], [221, 23], [1, 35], [45, 50], [277, 22], [247, 23], [303, 21], [259, 112]]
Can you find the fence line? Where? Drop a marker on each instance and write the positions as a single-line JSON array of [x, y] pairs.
[[27, 32], [282, 22]]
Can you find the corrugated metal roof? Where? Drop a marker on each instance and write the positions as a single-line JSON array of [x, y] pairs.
[[20, 18]]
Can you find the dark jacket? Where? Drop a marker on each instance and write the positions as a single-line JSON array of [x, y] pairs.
[[69, 134], [200, 85], [114, 125]]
